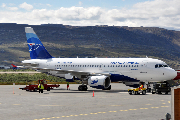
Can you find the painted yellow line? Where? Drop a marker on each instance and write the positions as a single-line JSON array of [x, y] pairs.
[[63, 116], [53, 117], [123, 110], [43, 118], [162, 100], [48, 118], [103, 112], [164, 106], [75, 115], [132, 109], [143, 108], [57, 117], [163, 103], [16, 104], [50, 105], [115, 105], [148, 104], [154, 107], [80, 114], [71, 115], [85, 114], [67, 116], [35, 119], [112, 111], [0, 103], [169, 102]]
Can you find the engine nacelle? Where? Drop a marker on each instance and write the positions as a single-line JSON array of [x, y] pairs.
[[99, 82]]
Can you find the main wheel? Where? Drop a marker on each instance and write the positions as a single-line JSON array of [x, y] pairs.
[[48, 89], [143, 92], [136, 92]]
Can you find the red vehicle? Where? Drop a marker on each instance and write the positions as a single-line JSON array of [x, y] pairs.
[[35, 87]]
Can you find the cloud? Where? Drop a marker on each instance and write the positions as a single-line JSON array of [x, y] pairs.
[[3, 5], [26, 6], [80, 3], [12, 8], [159, 13], [48, 5]]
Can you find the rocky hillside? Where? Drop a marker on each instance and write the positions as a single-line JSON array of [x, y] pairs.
[[92, 41]]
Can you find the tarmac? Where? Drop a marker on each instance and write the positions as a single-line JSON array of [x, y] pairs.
[[63, 104]]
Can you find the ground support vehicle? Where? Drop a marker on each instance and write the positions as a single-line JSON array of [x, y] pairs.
[[163, 87], [137, 91], [35, 87]]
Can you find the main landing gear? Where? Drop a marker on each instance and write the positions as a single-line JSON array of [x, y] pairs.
[[82, 87]]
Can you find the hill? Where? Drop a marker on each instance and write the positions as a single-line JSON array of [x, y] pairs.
[[92, 41]]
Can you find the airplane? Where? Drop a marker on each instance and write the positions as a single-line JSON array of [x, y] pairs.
[[96, 72]]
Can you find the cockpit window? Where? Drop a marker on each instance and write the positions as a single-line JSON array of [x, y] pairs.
[[160, 65]]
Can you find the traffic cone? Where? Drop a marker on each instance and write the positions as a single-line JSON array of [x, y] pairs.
[[93, 93]]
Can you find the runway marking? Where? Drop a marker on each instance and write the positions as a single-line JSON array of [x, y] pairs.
[[93, 113], [154, 107], [50, 105], [148, 104], [132, 109], [115, 105], [123, 110], [112, 111], [16, 104], [164, 106], [169, 102], [143, 108]]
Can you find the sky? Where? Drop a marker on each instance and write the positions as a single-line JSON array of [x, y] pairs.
[[132, 13]]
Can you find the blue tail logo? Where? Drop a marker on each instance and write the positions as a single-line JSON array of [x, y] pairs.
[[36, 48]]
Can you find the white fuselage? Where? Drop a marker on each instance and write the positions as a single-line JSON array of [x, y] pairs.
[[142, 69]]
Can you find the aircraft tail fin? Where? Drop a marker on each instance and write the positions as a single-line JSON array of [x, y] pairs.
[[36, 48]]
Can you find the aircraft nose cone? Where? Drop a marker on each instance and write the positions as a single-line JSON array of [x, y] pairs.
[[173, 74]]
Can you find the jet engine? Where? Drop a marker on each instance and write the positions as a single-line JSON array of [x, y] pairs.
[[99, 82]]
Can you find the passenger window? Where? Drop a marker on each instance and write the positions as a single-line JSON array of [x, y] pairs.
[[156, 66], [129, 65], [126, 65], [137, 65], [100, 66], [90, 66], [104, 65], [132, 65], [113, 65], [160, 65], [108, 65], [84, 65]]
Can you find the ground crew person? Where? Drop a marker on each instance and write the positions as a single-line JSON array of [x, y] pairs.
[[67, 85], [41, 88], [140, 88]]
